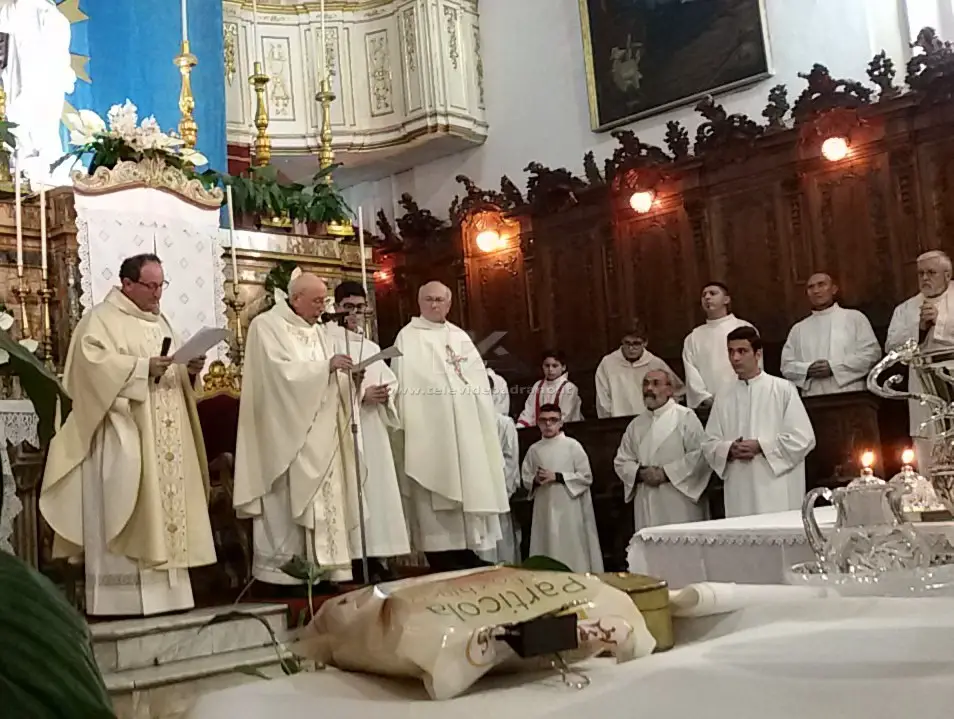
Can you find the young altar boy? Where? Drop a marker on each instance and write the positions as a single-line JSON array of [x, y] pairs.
[[557, 473]]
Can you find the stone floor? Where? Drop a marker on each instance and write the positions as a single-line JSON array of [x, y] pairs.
[[156, 667]]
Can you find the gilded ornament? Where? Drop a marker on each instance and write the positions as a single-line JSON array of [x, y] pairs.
[[450, 16], [229, 37], [150, 172]]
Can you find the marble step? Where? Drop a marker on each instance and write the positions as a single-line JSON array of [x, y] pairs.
[[129, 644]]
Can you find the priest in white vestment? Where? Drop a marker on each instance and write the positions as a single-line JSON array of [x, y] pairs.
[[704, 357], [927, 318], [500, 391], [758, 435], [660, 460], [619, 377], [126, 478], [294, 460], [833, 349], [557, 473], [555, 388], [452, 476], [386, 535], [508, 548]]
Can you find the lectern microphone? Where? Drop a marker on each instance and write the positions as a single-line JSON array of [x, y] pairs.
[[166, 344]]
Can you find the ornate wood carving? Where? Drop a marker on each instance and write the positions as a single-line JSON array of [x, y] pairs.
[[881, 72], [824, 93], [677, 140], [777, 108], [932, 71], [552, 190], [722, 132], [477, 199], [418, 225]]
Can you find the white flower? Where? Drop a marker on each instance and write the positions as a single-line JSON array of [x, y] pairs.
[[6, 321], [123, 119], [84, 126], [193, 157], [30, 345]]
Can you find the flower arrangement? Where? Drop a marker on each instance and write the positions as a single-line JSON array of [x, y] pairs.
[[125, 139]]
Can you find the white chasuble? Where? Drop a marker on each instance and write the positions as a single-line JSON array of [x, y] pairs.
[[843, 338], [563, 526], [451, 466], [669, 438], [126, 478], [385, 535], [619, 383], [560, 391], [508, 548], [769, 410], [904, 326], [294, 459], [705, 357]]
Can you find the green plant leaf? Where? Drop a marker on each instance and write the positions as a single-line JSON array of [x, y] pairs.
[[47, 669], [6, 134], [298, 568], [41, 386], [542, 563]]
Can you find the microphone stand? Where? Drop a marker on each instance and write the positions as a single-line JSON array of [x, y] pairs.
[[355, 408]]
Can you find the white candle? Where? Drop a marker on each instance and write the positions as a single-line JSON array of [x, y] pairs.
[[364, 264], [43, 263], [258, 44], [19, 213], [322, 49], [235, 277], [185, 21]]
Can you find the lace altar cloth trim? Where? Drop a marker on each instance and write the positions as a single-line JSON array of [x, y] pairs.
[[17, 424], [748, 539]]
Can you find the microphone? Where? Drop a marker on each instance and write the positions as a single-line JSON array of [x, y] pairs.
[[166, 344], [337, 317]]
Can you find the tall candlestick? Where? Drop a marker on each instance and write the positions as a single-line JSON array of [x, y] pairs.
[[19, 213], [322, 49], [258, 45], [185, 21], [364, 264], [228, 196], [43, 260]]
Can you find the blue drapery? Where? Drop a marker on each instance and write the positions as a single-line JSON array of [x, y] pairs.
[[131, 45]]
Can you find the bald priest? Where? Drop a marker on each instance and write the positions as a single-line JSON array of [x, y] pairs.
[[294, 460], [126, 477], [452, 470]]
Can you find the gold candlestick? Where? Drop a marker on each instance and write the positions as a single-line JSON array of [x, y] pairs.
[[46, 295], [188, 129], [22, 292], [236, 305], [326, 155], [263, 145]]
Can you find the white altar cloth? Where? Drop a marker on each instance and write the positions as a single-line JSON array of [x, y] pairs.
[[845, 658], [17, 423], [749, 550]]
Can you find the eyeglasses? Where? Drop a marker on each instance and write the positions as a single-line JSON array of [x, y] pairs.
[[153, 286], [352, 307]]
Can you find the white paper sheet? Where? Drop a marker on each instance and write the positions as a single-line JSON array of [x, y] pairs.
[[386, 354], [200, 343]]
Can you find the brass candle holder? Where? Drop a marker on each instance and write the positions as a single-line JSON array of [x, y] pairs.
[[326, 153], [6, 179], [22, 293], [236, 306], [263, 144], [46, 294], [188, 129]]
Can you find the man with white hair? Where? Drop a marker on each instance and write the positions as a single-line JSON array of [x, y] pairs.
[[294, 459], [928, 317], [452, 465]]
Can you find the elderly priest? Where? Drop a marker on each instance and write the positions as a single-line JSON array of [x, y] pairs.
[[453, 477], [294, 459], [758, 434], [126, 477]]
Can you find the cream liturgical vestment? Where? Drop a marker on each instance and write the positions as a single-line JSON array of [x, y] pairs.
[[508, 548], [669, 438], [842, 337], [564, 524], [560, 391], [452, 469], [294, 460], [386, 536], [501, 392], [619, 383], [705, 356], [126, 477], [768, 409]]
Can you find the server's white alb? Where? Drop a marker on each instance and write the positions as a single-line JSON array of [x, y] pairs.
[[706, 359], [619, 383], [560, 391]]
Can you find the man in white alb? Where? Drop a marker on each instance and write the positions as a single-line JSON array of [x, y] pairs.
[[126, 477], [704, 357], [452, 470], [501, 392], [386, 534], [619, 377], [758, 434], [294, 459], [833, 349], [928, 318], [508, 548], [660, 460]]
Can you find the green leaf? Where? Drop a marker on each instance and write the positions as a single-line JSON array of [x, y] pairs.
[[6, 134], [41, 386], [298, 568], [252, 672], [47, 669], [541, 563]]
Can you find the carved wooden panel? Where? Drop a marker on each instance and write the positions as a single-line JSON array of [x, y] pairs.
[[498, 303]]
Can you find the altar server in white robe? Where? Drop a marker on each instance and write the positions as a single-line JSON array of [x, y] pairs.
[[386, 535], [833, 349], [927, 318], [555, 388], [126, 477], [619, 377], [508, 548], [704, 357], [294, 459], [556, 471], [501, 392], [660, 460], [452, 476], [758, 435]]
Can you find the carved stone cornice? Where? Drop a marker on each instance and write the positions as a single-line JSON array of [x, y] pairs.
[[151, 173]]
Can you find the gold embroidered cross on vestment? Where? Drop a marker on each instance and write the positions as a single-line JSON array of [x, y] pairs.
[[455, 360]]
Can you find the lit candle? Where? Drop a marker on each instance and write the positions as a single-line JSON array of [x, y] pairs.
[[235, 277], [19, 213], [867, 459], [43, 261], [364, 264], [185, 21], [258, 45], [322, 49]]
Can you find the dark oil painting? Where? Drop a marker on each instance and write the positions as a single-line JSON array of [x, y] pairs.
[[644, 57]]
